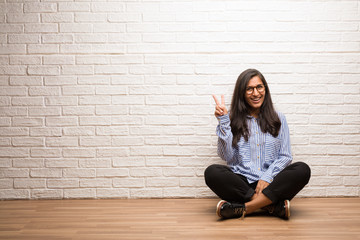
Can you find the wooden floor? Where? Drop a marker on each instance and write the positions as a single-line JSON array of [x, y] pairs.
[[311, 218]]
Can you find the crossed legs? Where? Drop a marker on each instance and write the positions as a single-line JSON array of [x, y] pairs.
[[235, 188]]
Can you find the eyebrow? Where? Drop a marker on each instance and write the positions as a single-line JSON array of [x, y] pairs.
[[255, 86]]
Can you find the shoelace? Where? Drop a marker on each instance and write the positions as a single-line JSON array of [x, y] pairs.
[[241, 211]]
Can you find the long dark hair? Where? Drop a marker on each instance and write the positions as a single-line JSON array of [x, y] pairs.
[[269, 121]]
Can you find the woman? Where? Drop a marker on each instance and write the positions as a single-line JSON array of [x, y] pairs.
[[255, 143]]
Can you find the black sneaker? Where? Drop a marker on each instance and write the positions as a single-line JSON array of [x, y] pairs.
[[280, 209], [226, 210]]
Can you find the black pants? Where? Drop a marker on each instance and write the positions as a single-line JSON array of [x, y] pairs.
[[235, 188]]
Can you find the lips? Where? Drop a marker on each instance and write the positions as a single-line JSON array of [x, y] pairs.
[[256, 100]]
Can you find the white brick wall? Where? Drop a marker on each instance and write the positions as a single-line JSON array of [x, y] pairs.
[[113, 99]]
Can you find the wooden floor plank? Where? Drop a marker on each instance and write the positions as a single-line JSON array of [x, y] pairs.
[[311, 218]]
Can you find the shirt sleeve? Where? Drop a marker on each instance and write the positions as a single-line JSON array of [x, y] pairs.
[[225, 149], [284, 156]]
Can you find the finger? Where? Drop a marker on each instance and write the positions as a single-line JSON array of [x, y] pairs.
[[216, 101], [219, 113], [222, 100], [219, 108]]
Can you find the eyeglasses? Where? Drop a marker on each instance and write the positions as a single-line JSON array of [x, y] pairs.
[[260, 88]]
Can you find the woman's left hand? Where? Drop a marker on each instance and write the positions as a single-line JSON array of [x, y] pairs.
[[261, 185]]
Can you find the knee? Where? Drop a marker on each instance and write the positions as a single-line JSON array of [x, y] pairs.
[[304, 171], [210, 173]]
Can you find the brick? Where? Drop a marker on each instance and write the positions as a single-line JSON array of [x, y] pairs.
[[92, 60], [46, 194], [108, 7], [27, 101], [14, 131], [13, 173], [124, 17], [79, 110], [28, 142], [126, 120], [44, 111], [343, 171], [5, 142], [46, 132], [61, 121], [75, 48], [95, 121], [113, 90], [60, 101], [79, 131], [6, 183], [94, 80], [24, 38], [75, 28], [96, 183], [342, 191], [41, 28], [28, 163], [161, 120], [161, 162], [90, 100], [74, 7], [57, 38], [25, 60], [55, 60], [79, 173], [14, 152], [125, 100], [45, 153], [96, 141], [145, 172], [14, 194], [44, 91], [111, 69], [11, 28], [29, 183], [57, 17], [43, 70], [62, 141], [91, 38], [146, 151], [77, 70], [78, 90], [11, 7], [60, 80], [178, 172], [162, 182], [79, 153], [112, 193], [111, 110], [119, 172], [146, 193], [39, 7], [111, 131], [138, 161], [112, 152], [128, 182], [90, 17], [5, 122], [12, 70], [95, 163], [62, 183], [80, 193]]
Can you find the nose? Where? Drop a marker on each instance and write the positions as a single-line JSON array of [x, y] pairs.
[[256, 92]]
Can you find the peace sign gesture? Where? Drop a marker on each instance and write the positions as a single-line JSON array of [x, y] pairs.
[[220, 108]]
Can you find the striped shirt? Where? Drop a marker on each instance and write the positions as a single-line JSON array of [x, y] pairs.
[[262, 157]]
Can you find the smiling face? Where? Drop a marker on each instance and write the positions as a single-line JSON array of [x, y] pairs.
[[255, 98]]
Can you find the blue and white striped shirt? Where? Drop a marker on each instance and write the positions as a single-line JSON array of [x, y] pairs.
[[262, 157]]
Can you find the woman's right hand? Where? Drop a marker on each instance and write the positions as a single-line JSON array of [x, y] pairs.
[[220, 108]]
